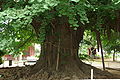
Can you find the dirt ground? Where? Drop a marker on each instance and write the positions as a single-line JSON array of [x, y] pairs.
[[17, 73], [115, 72], [111, 66]]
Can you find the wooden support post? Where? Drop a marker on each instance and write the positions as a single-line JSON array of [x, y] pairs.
[[100, 44], [102, 55], [58, 56], [91, 74]]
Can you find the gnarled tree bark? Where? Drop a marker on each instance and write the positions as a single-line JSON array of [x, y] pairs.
[[60, 51]]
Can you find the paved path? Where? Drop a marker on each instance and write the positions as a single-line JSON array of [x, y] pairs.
[[108, 63]]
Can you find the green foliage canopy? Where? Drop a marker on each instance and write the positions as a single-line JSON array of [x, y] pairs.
[[17, 16]]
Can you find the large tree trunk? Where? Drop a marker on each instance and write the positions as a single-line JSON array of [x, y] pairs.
[[60, 51]]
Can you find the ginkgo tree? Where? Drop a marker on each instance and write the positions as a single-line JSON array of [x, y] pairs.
[[58, 25]]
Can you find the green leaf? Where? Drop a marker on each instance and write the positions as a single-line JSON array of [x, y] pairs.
[[75, 0], [30, 1], [39, 0]]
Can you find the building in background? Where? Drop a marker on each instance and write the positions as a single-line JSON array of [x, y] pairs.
[[26, 53]]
